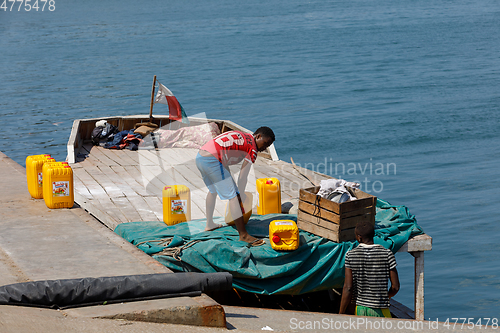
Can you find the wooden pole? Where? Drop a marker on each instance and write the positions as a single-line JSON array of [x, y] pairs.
[[152, 100], [419, 284], [295, 167]]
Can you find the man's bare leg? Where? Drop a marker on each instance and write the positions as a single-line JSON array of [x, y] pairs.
[[234, 203], [210, 206]]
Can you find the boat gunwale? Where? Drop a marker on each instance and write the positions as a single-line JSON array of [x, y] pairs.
[[77, 139]]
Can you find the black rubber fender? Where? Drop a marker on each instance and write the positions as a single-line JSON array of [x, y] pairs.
[[91, 291]]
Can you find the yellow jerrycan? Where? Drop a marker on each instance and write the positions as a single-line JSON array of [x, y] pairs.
[[284, 235], [34, 164], [176, 204], [268, 196], [58, 191], [229, 217]]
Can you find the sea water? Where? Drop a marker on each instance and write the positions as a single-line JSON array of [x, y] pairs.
[[402, 96]]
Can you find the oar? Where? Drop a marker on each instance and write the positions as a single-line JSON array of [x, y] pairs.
[[296, 168]]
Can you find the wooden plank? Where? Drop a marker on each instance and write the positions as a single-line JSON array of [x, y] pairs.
[[143, 188], [183, 155], [109, 154], [133, 155], [107, 184], [317, 230], [92, 186], [131, 181], [120, 183], [318, 221], [401, 311], [156, 206], [103, 210], [133, 207], [110, 216], [289, 188], [133, 194], [94, 208], [332, 217], [146, 213], [99, 153], [350, 223], [344, 235], [74, 142], [273, 170], [313, 175], [150, 176], [309, 195], [288, 169], [119, 156], [186, 171], [347, 223], [81, 188], [417, 243], [146, 158], [113, 215], [127, 209]]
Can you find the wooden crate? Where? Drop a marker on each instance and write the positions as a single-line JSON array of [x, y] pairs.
[[332, 220]]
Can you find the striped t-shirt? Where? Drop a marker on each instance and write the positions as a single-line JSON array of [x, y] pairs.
[[370, 265]]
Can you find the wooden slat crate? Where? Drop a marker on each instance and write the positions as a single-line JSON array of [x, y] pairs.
[[332, 220]]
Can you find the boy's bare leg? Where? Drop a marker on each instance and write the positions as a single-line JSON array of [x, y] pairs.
[[210, 207], [239, 222]]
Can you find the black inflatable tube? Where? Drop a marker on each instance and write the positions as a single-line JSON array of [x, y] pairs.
[[90, 291]]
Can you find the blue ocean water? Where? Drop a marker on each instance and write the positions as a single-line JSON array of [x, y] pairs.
[[401, 96]]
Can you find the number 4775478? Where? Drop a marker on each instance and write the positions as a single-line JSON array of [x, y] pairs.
[[28, 5], [471, 323]]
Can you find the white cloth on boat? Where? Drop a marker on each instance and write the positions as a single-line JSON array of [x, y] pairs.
[[101, 123], [328, 186], [187, 137]]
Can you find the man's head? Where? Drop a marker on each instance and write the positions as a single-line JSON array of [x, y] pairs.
[[364, 232], [264, 137]]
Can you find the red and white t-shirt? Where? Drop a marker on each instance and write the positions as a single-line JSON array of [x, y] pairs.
[[232, 147]]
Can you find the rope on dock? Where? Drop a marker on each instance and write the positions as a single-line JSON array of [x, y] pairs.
[[162, 242], [174, 252]]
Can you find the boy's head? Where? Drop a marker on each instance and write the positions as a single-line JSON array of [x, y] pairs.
[[364, 232], [264, 137]]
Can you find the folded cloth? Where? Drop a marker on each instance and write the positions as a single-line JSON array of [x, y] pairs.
[[328, 186]]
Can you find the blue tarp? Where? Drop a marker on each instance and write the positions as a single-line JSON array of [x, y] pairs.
[[318, 264]]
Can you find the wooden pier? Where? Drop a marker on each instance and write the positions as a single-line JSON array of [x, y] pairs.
[[118, 186]]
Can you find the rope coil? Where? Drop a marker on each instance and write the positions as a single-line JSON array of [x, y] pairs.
[[175, 252]]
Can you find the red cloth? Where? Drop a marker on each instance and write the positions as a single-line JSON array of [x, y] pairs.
[[232, 147]]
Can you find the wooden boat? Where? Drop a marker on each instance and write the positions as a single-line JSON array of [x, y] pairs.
[[118, 186]]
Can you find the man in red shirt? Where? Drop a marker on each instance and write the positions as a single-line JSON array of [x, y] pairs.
[[213, 161]]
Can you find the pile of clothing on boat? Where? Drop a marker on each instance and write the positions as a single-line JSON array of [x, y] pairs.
[[149, 136], [108, 135], [337, 190]]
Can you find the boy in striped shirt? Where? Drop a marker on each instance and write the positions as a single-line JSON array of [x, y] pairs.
[[368, 268]]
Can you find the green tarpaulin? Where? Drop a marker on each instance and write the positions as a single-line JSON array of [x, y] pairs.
[[318, 264]]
